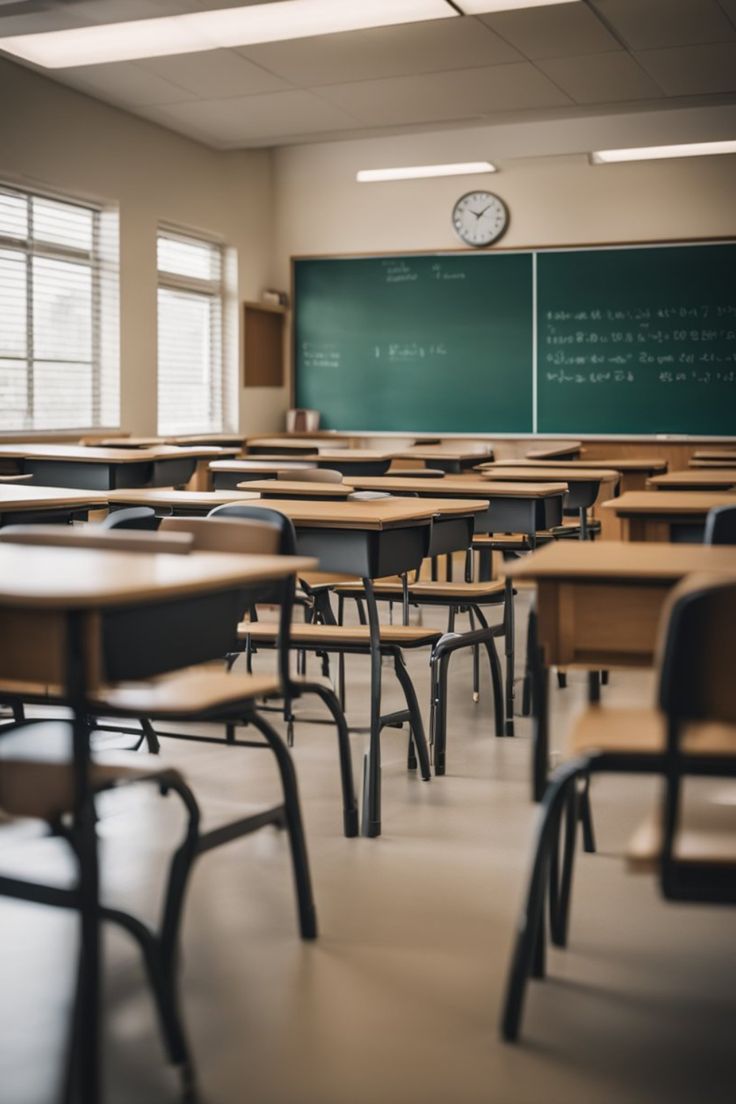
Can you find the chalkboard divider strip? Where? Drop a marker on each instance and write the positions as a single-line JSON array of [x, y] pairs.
[[535, 412]]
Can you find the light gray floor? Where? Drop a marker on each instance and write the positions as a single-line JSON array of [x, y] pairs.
[[398, 1000]]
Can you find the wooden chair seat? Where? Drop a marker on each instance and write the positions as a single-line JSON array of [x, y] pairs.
[[707, 836], [428, 589], [642, 731], [193, 691], [37, 772], [325, 636]]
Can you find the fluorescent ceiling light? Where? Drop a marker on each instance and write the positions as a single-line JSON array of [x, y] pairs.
[[651, 153], [481, 7], [412, 172], [211, 30]]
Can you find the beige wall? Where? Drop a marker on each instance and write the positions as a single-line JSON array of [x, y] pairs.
[[53, 137]]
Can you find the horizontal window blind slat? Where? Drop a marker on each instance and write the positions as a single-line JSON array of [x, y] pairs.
[[58, 315]]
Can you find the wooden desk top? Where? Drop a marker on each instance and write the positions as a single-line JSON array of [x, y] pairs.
[[641, 463], [23, 496], [35, 576], [715, 454], [141, 443], [306, 489], [560, 449], [163, 496], [357, 454], [623, 560], [224, 440], [266, 465], [694, 479], [285, 442], [92, 454], [654, 503], [381, 513], [470, 486], [455, 451], [569, 474], [722, 463]]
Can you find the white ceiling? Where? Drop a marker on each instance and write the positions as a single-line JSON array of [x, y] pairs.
[[595, 55]]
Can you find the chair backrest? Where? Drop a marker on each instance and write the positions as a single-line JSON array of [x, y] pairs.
[[133, 517], [223, 534], [299, 420], [697, 647], [284, 525], [696, 684], [310, 475], [720, 525]]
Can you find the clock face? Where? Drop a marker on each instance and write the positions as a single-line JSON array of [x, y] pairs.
[[479, 218]]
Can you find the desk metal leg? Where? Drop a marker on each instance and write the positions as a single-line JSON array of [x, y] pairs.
[[509, 650], [371, 815], [86, 1032]]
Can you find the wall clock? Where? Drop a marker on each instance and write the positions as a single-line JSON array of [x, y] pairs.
[[479, 218]]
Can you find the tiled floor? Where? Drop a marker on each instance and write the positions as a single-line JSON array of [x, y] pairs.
[[397, 1002]]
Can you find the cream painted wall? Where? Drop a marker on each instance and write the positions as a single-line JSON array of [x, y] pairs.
[[53, 137], [555, 196]]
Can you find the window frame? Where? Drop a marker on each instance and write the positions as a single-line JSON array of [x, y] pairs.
[[92, 259], [214, 290]]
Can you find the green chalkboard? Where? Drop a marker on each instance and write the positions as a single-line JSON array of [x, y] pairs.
[[422, 343], [637, 340], [628, 340]]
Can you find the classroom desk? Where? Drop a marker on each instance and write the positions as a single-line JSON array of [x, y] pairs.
[[633, 471], [372, 539], [729, 455], [448, 458], [584, 485], [231, 473], [713, 463], [103, 469], [354, 461], [695, 479], [563, 450], [521, 507], [599, 605], [64, 612], [677, 516], [285, 488], [166, 501], [20, 502], [291, 446]]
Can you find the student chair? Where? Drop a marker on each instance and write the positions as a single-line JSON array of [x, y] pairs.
[[691, 731], [310, 475], [329, 637], [720, 525]]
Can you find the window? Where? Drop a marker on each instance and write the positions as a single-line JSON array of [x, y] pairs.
[[58, 315], [191, 369]]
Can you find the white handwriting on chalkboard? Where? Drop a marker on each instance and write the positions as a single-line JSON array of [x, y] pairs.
[[399, 272], [397, 351], [440, 273]]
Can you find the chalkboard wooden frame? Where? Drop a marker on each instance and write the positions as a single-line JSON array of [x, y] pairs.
[[535, 252]]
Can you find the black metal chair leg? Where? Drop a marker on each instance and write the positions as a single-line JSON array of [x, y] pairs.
[[494, 664], [412, 704], [349, 801], [509, 650], [297, 841], [562, 680], [561, 881], [411, 753], [150, 736], [440, 729], [586, 819], [526, 946]]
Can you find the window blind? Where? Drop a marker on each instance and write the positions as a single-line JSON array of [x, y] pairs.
[[58, 314], [191, 375]]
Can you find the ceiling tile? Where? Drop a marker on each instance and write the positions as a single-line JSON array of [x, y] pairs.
[[383, 52], [692, 70], [239, 119], [647, 24], [125, 83], [601, 78], [562, 30], [214, 73], [464, 93]]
